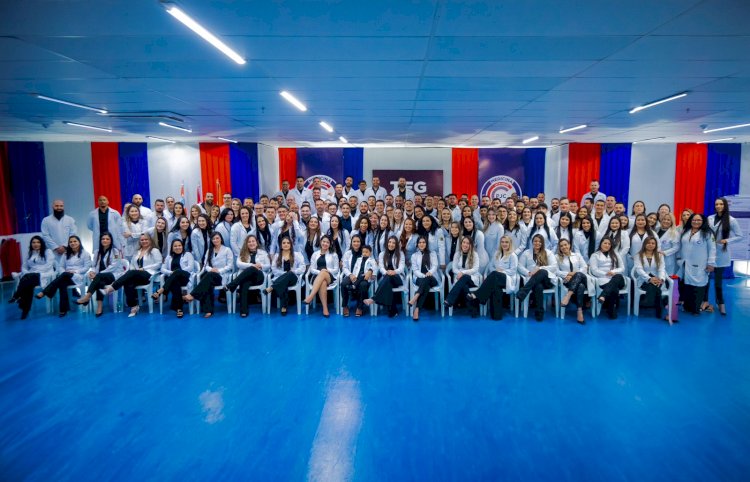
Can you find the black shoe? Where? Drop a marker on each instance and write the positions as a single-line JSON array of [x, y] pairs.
[[24, 314], [539, 316], [12, 300], [283, 312], [392, 314], [62, 314]]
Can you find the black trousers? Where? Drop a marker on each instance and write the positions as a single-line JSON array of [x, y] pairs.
[[577, 285], [128, 282], [491, 290], [204, 291], [25, 290], [718, 285], [384, 293], [536, 285], [652, 297], [173, 285], [61, 284], [356, 290], [611, 294], [251, 276], [423, 288], [281, 287], [460, 289], [99, 282], [693, 297]]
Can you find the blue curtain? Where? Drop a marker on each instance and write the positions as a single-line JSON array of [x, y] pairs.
[[243, 170], [28, 182], [614, 171], [354, 164], [722, 173], [134, 171], [533, 167]]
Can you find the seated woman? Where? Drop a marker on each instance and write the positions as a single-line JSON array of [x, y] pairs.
[[73, 268], [324, 265], [357, 268], [391, 264], [217, 268], [181, 231], [38, 268], [424, 270], [502, 275], [571, 268], [177, 269], [607, 266], [146, 262], [465, 267], [651, 274], [252, 263], [106, 268], [287, 267], [538, 265]]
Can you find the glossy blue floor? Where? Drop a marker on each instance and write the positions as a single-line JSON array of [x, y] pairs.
[[293, 398]]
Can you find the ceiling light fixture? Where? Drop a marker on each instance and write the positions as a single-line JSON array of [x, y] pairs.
[[649, 139], [205, 34], [706, 131], [228, 140], [343, 139], [85, 126], [657, 102], [161, 139], [326, 126], [715, 140], [73, 104], [184, 129], [293, 100], [530, 139], [571, 129]]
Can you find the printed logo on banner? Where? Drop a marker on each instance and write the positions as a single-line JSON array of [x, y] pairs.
[[327, 184], [501, 187]]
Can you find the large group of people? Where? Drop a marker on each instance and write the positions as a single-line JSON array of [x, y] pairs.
[[374, 245]]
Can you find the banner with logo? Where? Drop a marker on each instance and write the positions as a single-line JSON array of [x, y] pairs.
[[423, 181], [501, 172], [324, 163]]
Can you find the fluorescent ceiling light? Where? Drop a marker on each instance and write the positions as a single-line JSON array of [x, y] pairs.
[[105, 129], [657, 102], [530, 139], [706, 131], [164, 124], [326, 126], [571, 129], [207, 36], [161, 139], [228, 140], [343, 139], [73, 104], [293, 100], [715, 140], [649, 139]]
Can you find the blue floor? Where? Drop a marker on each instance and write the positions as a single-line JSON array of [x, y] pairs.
[[272, 398]]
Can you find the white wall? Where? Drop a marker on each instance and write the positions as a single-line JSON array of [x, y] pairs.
[[652, 174], [268, 169], [70, 178], [745, 170], [556, 172], [169, 165], [431, 158]]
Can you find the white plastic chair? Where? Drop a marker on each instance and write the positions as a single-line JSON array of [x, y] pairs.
[[554, 291], [666, 291], [297, 288], [625, 291], [331, 287], [216, 288], [437, 290], [403, 289], [265, 298]]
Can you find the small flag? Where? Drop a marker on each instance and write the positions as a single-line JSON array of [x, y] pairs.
[[182, 193], [198, 195], [219, 195]]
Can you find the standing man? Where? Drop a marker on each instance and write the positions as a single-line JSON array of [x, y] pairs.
[[103, 219], [284, 190], [594, 193], [402, 190], [57, 228], [146, 213], [348, 186], [207, 204], [227, 199], [376, 190]]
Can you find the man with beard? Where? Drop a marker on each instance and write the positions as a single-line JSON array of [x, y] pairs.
[[207, 204], [57, 228], [105, 220]]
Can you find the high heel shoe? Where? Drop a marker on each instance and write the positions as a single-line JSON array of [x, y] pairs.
[[134, 311], [722, 310]]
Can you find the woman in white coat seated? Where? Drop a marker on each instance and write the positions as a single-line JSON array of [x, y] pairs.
[[726, 230], [252, 263], [607, 266], [217, 268], [424, 271], [698, 258], [324, 265], [539, 266], [470, 230], [287, 267], [502, 276], [178, 268], [358, 267], [542, 228], [650, 274], [37, 270], [72, 269], [466, 271], [572, 269], [107, 266], [391, 263], [145, 263]]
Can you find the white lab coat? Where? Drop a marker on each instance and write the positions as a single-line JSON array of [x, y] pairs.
[[379, 195], [416, 266], [526, 264], [36, 264], [79, 265], [550, 242], [645, 268], [131, 244], [238, 235], [298, 266], [409, 194], [261, 258], [723, 257], [114, 223], [56, 232], [509, 266], [223, 261], [670, 246], [114, 263], [697, 252], [600, 265], [332, 264], [473, 272], [492, 236], [151, 261]]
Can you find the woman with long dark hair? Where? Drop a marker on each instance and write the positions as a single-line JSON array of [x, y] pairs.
[[357, 268], [217, 268], [287, 267], [182, 231], [38, 269], [607, 266], [698, 258], [252, 262], [466, 270], [200, 238], [324, 265], [74, 265], [178, 267], [538, 265], [572, 271], [424, 270], [502, 276], [145, 263], [650, 274], [726, 231], [585, 239], [241, 229], [391, 263], [106, 268], [224, 225]]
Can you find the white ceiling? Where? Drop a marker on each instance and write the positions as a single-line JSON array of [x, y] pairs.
[[459, 72]]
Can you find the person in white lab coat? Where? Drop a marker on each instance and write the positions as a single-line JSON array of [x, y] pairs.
[[650, 274], [106, 267], [538, 265], [726, 230], [287, 266], [57, 228], [178, 269], [133, 225], [72, 269], [145, 263], [252, 263], [502, 277], [669, 240], [391, 264], [105, 220], [37, 270], [425, 273], [698, 259], [324, 266], [572, 269], [217, 270], [607, 266]]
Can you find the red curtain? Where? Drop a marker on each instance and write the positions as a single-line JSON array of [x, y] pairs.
[[583, 167], [465, 171], [288, 165], [8, 220], [690, 177], [215, 172], [105, 165]]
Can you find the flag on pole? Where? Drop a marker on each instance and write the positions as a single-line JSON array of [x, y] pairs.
[[198, 195], [219, 195], [182, 193]]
